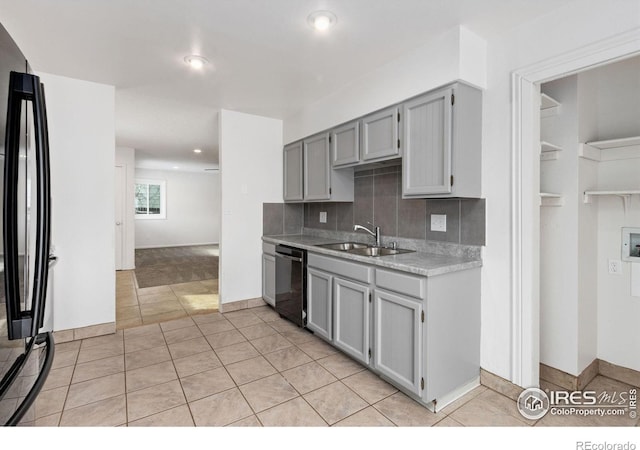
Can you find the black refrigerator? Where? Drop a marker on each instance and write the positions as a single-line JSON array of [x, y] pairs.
[[26, 349]]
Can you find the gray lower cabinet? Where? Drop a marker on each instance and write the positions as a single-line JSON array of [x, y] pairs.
[[269, 279], [397, 330], [351, 318], [423, 332], [320, 303]]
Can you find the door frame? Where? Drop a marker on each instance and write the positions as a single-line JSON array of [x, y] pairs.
[[525, 184], [122, 190]]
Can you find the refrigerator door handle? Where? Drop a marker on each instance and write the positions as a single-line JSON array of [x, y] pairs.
[[25, 323]]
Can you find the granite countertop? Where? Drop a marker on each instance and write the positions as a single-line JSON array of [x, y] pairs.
[[420, 263]]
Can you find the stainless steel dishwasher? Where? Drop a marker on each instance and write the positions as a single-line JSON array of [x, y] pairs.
[[291, 284]]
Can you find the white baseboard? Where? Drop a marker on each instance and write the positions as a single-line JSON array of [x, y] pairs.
[[176, 245]]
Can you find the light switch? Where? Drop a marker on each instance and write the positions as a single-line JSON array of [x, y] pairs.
[[439, 222], [323, 217]]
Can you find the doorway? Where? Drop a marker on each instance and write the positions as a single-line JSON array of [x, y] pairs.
[[525, 264]]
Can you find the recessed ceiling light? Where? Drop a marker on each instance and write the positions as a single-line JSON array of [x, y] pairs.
[[197, 150], [322, 20], [195, 61], [176, 167]]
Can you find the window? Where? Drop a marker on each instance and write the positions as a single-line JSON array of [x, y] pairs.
[[150, 201]]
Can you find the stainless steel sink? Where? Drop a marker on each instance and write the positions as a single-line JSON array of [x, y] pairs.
[[344, 246], [378, 251], [357, 248]]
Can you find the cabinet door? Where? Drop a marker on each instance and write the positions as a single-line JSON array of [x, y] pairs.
[[351, 318], [319, 303], [397, 339], [317, 176], [380, 135], [269, 279], [293, 172], [426, 163], [345, 144]]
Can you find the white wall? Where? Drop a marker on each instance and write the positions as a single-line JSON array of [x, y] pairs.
[[251, 173], [559, 233], [82, 146], [125, 157], [618, 311], [193, 210], [567, 28], [457, 54]]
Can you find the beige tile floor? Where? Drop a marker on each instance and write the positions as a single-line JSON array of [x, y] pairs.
[[244, 368], [137, 306]]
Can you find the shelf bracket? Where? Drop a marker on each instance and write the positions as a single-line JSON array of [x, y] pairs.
[[587, 198]]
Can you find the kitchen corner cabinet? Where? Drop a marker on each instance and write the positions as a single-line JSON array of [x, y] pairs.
[[380, 135], [442, 143], [269, 274], [308, 175]]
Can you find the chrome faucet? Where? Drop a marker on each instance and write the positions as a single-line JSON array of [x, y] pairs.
[[375, 233]]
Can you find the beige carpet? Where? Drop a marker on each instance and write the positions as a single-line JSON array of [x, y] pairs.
[[173, 265]]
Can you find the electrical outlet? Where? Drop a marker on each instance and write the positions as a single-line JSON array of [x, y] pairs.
[[439, 222], [323, 217], [615, 266]]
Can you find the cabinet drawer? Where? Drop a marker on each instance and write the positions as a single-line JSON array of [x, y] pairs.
[[402, 283], [269, 249], [346, 269]]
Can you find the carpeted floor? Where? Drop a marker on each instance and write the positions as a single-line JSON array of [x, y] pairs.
[[173, 265]]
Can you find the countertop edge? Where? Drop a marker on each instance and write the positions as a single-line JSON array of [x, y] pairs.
[[395, 262]]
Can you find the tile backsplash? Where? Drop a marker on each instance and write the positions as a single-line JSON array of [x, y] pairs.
[[378, 200]]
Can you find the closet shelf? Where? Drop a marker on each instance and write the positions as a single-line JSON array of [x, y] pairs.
[[625, 195], [549, 199], [548, 106], [549, 151], [611, 149]]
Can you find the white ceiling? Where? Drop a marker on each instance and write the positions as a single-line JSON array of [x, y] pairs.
[[265, 59]]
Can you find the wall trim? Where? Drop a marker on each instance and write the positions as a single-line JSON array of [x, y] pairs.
[[176, 245], [241, 304], [76, 334], [525, 167], [568, 381]]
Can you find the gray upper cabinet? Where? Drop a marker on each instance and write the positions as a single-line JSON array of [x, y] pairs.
[[442, 138], [398, 339], [308, 175], [319, 303], [427, 140], [380, 135], [351, 318], [317, 169], [293, 172], [345, 144]]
